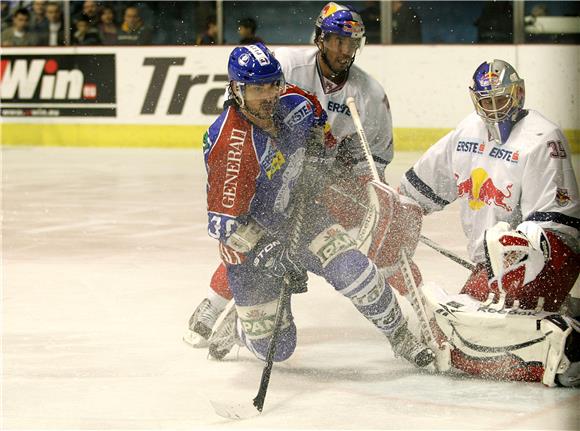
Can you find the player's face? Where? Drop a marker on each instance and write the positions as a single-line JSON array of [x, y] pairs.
[[497, 106], [261, 99], [20, 22], [340, 51], [53, 13]]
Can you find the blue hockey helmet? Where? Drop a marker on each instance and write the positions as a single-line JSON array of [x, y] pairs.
[[254, 65], [341, 20], [339, 29], [498, 94]]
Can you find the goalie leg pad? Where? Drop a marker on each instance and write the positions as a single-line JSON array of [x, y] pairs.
[[397, 281], [507, 344], [562, 335], [347, 200], [393, 224]]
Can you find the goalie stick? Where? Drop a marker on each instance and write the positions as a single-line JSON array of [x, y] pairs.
[[416, 298], [447, 253]]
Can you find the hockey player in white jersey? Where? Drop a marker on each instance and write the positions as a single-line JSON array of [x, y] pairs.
[[511, 170], [328, 72]]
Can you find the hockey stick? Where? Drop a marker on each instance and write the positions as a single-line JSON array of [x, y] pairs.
[[375, 174], [447, 253], [243, 410], [415, 295]]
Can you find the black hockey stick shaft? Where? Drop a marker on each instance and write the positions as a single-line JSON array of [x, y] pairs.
[[298, 217], [455, 258], [265, 380]]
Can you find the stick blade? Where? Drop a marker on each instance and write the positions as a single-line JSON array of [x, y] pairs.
[[235, 411]]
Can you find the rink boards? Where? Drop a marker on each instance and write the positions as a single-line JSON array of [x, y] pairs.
[[167, 96]]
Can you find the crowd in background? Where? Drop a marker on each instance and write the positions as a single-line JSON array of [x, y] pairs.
[[42, 23]]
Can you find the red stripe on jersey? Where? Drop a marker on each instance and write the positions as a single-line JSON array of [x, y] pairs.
[[232, 168]]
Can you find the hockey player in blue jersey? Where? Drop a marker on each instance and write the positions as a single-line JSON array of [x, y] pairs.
[[258, 168]]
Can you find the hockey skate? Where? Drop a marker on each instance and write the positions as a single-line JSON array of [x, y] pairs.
[[406, 345], [225, 336], [201, 323]]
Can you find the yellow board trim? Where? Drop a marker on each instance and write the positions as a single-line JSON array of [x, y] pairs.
[[157, 136]]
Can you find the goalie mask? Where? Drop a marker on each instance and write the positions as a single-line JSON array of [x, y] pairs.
[[339, 35], [256, 79], [498, 94]]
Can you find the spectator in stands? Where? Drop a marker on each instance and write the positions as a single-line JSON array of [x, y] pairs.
[[53, 32], [247, 31], [495, 24], [17, 34], [85, 34], [5, 13], [90, 12], [107, 27], [38, 23], [133, 31], [406, 23], [209, 37]]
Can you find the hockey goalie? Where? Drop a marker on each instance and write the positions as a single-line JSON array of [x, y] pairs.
[[511, 172]]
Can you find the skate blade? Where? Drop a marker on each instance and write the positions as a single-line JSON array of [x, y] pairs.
[[235, 411], [195, 340]]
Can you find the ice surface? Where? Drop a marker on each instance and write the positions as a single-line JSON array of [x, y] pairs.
[[105, 256]]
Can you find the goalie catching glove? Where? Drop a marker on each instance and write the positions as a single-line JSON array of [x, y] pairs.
[[515, 257]]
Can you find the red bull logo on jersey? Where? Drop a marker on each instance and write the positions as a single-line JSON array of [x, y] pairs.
[[562, 197], [481, 191]]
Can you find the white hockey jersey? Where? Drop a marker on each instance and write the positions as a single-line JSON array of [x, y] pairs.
[[530, 177], [300, 68]]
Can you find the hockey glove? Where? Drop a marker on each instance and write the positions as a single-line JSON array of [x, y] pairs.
[[271, 257], [515, 257]]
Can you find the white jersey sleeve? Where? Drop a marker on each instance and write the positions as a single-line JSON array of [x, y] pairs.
[[530, 177], [549, 187], [300, 68], [375, 112], [430, 181]]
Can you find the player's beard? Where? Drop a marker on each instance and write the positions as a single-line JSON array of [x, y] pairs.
[[338, 69], [265, 110]]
